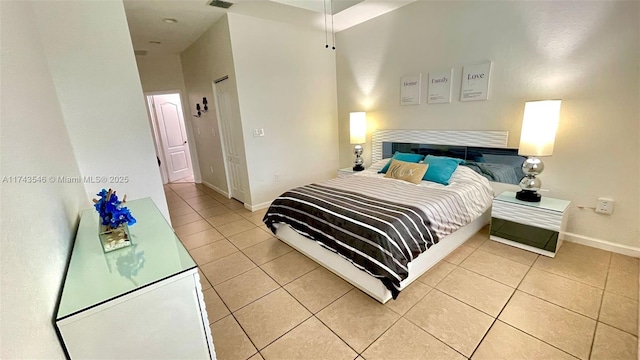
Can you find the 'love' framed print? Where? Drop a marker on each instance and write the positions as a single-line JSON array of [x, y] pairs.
[[475, 82]]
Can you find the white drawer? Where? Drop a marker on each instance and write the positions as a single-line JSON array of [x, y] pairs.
[[527, 215]]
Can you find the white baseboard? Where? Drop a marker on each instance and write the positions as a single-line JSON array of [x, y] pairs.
[[247, 206], [261, 206], [602, 244], [216, 189]]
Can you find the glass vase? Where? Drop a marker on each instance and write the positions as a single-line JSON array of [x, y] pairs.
[[114, 238]]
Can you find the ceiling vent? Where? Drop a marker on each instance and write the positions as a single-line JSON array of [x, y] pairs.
[[221, 4], [140, 52]]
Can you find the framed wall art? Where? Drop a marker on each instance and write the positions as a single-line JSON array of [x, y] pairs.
[[410, 89], [475, 82], [439, 91]]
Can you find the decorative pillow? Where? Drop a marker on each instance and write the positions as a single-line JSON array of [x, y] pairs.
[[406, 157], [440, 168], [406, 171], [458, 160]]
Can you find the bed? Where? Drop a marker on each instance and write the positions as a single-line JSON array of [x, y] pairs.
[[381, 234]]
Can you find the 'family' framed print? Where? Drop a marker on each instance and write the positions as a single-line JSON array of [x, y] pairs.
[[410, 89], [439, 87], [475, 82]]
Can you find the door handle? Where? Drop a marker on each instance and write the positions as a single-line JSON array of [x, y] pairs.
[[185, 142]]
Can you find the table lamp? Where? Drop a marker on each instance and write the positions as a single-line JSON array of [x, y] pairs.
[[358, 132], [539, 126]]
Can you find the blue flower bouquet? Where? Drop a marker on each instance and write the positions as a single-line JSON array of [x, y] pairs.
[[115, 220]]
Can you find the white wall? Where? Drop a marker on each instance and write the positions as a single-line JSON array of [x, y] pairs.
[[585, 53], [71, 105], [207, 59], [38, 220], [286, 86], [160, 72], [163, 73], [90, 56]]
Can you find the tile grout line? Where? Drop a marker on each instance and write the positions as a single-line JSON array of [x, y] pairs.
[[402, 316], [278, 288], [435, 337], [330, 329], [533, 336], [231, 313], [500, 312], [543, 270], [606, 279], [518, 329]]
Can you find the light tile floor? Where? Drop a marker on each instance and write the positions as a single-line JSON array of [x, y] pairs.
[[484, 301]]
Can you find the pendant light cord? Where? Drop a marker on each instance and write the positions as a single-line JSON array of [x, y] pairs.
[[326, 42], [333, 33]]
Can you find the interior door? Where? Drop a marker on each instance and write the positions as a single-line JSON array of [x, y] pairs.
[[231, 130], [173, 136]]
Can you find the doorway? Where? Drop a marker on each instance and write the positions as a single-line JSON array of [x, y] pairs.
[[170, 137], [231, 136]]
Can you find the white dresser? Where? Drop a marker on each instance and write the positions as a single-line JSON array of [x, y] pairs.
[[533, 226], [140, 302]]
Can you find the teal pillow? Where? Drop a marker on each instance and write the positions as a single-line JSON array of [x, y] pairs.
[[440, 168], [458, 160], [408, 157]]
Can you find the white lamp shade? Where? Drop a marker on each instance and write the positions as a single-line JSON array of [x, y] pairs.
[[358, 127], [539, 127]]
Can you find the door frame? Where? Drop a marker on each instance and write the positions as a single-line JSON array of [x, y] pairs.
[[222, 143], [156, 135]]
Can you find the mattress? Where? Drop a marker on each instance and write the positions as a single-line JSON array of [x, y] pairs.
[[381, 224]]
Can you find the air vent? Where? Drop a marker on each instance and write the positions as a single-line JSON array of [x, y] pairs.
[[140, 52], [221, 4]]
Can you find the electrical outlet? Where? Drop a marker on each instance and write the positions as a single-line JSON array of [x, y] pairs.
[[605, 206], [277, 177], [198, 130], [211, 169]]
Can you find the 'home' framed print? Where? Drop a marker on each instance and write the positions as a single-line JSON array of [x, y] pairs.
[[410, 89], [475, 82]]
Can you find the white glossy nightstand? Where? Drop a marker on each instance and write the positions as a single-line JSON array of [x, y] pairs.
[[533, 226], [345, 172]]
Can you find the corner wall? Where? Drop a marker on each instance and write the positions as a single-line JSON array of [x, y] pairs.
[[72, 106], [287, 86], [585, 53], [39, 220], [285, 83], [91, 60], [207, 59]]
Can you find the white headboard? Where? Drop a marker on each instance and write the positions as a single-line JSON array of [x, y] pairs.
[[496, 139]]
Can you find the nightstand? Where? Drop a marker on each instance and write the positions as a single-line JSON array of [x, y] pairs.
[[345, 172], [532, 226]]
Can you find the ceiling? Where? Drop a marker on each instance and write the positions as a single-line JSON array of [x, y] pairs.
[[332, 7], [146, 25]]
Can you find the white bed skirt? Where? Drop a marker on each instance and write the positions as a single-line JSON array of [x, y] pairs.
[[367, 283]]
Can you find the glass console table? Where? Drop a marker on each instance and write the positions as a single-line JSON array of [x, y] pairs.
[[141, 301]]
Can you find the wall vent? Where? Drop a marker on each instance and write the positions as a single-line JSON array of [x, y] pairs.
[[140, 52], [221, 4]]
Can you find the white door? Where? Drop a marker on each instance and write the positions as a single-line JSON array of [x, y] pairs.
[[231, 131], [173, 136]]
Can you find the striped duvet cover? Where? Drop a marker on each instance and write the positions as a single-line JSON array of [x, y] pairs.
[[381, 224]]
